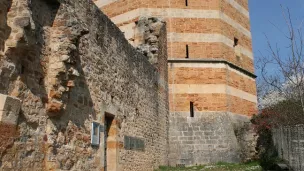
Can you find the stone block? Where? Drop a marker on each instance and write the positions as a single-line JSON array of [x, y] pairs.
[[9, 109], [22, 21], [54, 108]]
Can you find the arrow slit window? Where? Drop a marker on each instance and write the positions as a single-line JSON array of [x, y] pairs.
[[191, 109]]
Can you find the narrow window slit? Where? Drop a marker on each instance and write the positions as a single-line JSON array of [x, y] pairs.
[[186, 2], [41, 81], [191, 110], [187, 51], [22, 69], [236, 42]]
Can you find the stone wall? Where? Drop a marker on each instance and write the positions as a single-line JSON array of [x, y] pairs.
[[289, 142], [4, 29], [207, 138], [210, 65], [70, 65], [210, 137], [9, 110]]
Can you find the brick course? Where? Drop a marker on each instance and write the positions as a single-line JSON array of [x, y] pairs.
[[209, 51], [241, 106], [120, 7], [234, 14], [211, 76], [208, 26], [243, 3], [242, 83], [197, 75], [212, 102], [202, 102]]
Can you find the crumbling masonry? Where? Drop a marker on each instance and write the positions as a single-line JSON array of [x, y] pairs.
[[212, 90], [66, 65], [81, 92]]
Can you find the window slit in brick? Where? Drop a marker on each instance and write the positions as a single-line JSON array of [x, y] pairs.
[[236, 42], [41, 81], [187, 51], [191, 110], [22, 69], [186, 2]]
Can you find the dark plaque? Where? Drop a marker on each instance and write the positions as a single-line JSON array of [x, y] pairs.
[[133, 143], [127, 143]]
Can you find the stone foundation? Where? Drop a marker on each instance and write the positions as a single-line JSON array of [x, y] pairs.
[[208, 137]]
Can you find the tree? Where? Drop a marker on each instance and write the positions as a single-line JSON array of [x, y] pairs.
[[286, 85]]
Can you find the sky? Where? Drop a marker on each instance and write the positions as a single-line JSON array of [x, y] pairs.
[[264, 14]]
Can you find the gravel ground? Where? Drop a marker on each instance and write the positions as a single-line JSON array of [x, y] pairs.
[[254, 166]]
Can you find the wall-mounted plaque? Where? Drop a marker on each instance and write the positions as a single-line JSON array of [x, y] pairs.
[[133, 143], [95, 134]]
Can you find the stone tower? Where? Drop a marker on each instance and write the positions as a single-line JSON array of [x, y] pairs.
[[211, 73]]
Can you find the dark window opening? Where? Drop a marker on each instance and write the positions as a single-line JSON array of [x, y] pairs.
[[191, 109], [186, 2], [22, 69], [41, 81], [236, 42], [187, 51]]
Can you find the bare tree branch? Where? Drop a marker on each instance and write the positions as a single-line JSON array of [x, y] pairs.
[[288, 79]]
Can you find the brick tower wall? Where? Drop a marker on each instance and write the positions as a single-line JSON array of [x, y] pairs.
[[218, 75]]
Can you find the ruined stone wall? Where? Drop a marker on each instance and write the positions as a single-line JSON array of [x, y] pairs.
[[289, 143], [207, 138], [210, 64], [70, 65], [4, 29], [210, 137]]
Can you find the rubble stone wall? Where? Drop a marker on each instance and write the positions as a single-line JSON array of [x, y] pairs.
[[210, 64], [289, 143], [210, 137], [70, 65]]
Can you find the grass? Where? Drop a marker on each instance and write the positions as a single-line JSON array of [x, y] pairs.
[[221, 166]]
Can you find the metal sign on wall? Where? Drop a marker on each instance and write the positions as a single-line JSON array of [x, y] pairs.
[[95, 134], [133, 143]]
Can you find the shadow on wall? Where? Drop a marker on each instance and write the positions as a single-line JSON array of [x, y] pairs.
[[27, 54], [79, 105], [5, 30], [22, 69], [72, 128], [70, 86], [268, 154]]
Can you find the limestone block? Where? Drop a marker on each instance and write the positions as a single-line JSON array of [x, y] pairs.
[[9, 109], [54, 108], [22, 21]]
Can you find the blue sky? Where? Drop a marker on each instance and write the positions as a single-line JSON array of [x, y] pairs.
[[262, 13]]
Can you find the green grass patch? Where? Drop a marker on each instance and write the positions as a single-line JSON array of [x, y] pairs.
[[220, 166]]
